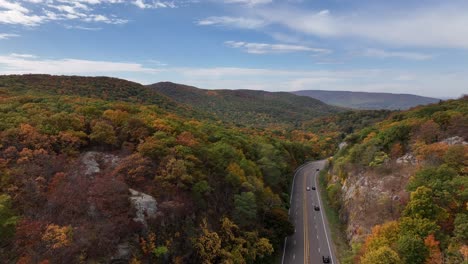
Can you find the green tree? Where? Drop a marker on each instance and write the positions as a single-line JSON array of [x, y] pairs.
[[421, 205], [420, 227], [245, 207], [7, 219], [277, 221], [412, 249], [103, 133], [461, 227]]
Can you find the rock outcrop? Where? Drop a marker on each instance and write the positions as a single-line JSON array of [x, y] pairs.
[[144, 204], [455, 141], [371, 197]]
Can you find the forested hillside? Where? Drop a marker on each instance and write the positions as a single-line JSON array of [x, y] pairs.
[[401, 187], [368, 100], [99, 169], [249, 107]]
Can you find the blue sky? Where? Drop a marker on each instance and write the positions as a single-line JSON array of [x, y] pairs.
[[398, 46]]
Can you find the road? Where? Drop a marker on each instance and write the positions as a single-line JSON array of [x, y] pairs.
[[311, 239]]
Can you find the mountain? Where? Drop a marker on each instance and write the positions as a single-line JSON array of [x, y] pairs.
[[365, 100], [248, 107], [96, 169], [105, 88]]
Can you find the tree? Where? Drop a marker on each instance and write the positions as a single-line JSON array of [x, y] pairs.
[[421, 205], [103, 133], [457, 157], [412, 249], [208, 245], [235, 175], [461, 227], [277, 221], [58, 236], [263, 247], [435, 256], [382, 235], [8, 219], [187, 139], [428, 132], [135, 169], [417, 227], [381, 255], [245, 208]]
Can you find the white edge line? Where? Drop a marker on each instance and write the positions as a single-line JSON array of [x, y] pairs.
[[323, 219]]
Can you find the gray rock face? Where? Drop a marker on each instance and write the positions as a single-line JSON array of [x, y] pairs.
[[342, 145], [408, 158], [94, 161], [455, 141], [144, 204]]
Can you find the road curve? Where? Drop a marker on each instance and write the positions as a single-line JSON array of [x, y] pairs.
[[311, 239]]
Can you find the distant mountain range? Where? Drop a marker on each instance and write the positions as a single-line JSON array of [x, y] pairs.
[[365, 100], [248, 107]]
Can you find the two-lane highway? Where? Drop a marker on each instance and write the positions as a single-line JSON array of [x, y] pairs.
[[311, 239]]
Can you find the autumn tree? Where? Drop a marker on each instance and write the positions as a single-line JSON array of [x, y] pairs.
[[435, 256], [421, 205], [135, 169], [381, 255], [103, 133], [382, 235], [208, 245], [58, 236]]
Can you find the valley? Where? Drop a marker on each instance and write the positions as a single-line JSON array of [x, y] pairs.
[[97, 169]]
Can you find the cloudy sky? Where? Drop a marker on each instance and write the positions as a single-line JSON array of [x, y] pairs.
[[400, 46]]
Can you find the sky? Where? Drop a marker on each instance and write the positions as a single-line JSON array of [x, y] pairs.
[[398, 46]]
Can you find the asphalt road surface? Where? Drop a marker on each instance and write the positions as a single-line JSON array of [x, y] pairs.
[[311, 239]]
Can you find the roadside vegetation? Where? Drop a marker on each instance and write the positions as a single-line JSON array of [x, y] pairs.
[[427, 221], [332, 211]]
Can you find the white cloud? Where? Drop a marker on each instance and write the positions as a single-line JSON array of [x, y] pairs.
[[26, 63], [235, 22], [248, 2], [154, 4], [383, 54], [30, 56], [15, 13], [36, 12], [7, 36], [433, 26], [263, 48]]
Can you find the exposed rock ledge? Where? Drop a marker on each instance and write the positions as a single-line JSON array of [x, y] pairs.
[[145, 205]]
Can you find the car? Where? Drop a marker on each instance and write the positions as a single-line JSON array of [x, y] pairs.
[[325, 259], [318, 169], [313, 187], [316, 208], [308, 188]]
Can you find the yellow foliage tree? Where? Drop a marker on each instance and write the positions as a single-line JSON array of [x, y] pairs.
[[58, 236]]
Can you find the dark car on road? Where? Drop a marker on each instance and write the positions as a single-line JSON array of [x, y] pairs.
[[318, 169], [313, 187], [316, 208], [326, 259]]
